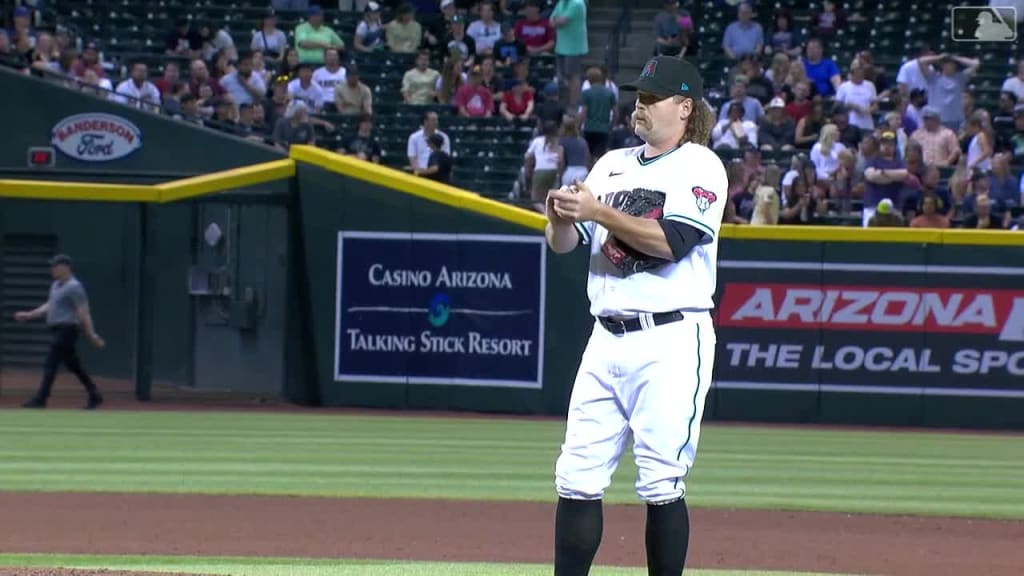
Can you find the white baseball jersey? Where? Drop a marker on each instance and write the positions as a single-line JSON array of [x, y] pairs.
[[695, 185], [327, 80]]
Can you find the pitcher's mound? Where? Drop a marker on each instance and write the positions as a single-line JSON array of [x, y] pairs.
[[80, 572]]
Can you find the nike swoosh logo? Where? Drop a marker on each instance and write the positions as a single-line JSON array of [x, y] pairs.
[[610, 174]]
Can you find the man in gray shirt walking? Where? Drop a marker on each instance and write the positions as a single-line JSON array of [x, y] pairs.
[[66, 311]]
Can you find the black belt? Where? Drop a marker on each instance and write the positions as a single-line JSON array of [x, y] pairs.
[[644, 321]]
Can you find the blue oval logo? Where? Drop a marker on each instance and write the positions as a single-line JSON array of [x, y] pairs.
[[438, 311]]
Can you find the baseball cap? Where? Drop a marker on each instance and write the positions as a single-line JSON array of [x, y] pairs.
[[21, 11], [314, 10], [885, 206], [373, 7], [446, 3], [60, 259], [777, 103], [668, 76], [888, 135], [929, 112]]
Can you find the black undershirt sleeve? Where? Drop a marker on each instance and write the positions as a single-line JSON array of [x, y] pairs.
[[681, 237]]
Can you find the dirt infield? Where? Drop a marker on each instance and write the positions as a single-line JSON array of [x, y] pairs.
[[483, 531]]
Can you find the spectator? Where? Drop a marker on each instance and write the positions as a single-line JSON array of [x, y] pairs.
[[201, 85], [547, 107], [170, 79], [744, 36], [312, 37], [752, 109], [912, 116], [734, 132], [369, 36], [22, 34], [798, 74], [277, 104], [1002, 122], [822, 71], [45, 54], [221, 66], [329, 76], [808, 127], [245, 126], [452, 78], [534, 30], [596, 112], [849, 135], [1003, 185], [800, 105], [458, 39], [303, 88], [269, 39], [183, 41], [289, 67], [758, 87], [844, 183], [828, 20], [624, 135], [569, 18], [752, 166], [930, 180], [860, 99], [138, 92], [190, 109], [521, 73], [404, 34], [486, 31], [982, 218], [883, 216], [244, 86], [784, 39], [294, 127], [913, 157], [976, 145], [364, 145], [1015, 84], [668, 35], [509, 49], [224, 117], [866, 61], [93, 84], [946, 87], [930, 216], [825, 153], [776, 73], [938, 143], [608, 82], [419, 85], [490, 79], [474, 100], [259, 126], [418, 149], [517, 103], [9, 56], [448, 11], [578, 159], [545, 160], [894, 123], [439, 165], [740, 192], [799, 206], [259, 67], [1016, 141], [910, 77], [777, 132], [90, 60], [885, 176], [352, 96], [216, 40]]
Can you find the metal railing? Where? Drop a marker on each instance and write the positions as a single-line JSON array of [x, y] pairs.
[[617, 36]]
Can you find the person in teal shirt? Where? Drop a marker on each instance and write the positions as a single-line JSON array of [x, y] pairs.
[[598, 103], [569, 18]]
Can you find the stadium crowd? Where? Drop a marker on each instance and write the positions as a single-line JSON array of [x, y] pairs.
[[806, 138]]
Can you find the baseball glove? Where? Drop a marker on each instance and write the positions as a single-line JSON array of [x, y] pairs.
[[642, 203]]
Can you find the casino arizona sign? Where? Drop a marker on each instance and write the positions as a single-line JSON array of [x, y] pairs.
[[96, 137]]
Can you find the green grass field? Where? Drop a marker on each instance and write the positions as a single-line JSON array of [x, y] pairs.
[[394, 456], [386, 456]]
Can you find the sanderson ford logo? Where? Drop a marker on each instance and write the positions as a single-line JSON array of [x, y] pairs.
[[96, 137]]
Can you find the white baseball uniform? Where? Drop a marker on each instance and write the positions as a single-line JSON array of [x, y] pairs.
[[652, 382]]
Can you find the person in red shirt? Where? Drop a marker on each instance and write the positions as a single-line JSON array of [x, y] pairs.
[[90, 60], [536, 32], [171, 78], [801, 103], [517, 101], [474, 100]]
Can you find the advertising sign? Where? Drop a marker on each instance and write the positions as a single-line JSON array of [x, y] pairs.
[[448, 309], [96, 137], [873, 328]]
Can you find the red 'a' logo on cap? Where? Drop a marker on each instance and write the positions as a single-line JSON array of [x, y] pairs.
[[649, 68]]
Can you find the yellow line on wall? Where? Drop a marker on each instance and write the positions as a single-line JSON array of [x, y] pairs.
[[416, 186], [226, 180], [88, 191], [953, 236]]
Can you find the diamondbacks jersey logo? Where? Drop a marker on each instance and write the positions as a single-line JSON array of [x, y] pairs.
[[704, 198]]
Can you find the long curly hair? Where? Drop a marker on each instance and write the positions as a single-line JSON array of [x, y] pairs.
[[700, 123]]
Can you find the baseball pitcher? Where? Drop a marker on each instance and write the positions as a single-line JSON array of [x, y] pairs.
[[650, 216]]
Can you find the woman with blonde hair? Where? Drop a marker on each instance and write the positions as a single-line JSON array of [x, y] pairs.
[[797, 73], [576, 151], [778, 71], [977, 142], [825, 154]]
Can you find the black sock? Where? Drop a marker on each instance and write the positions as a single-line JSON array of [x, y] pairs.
[[668, 536], [578, 528]]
